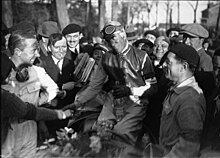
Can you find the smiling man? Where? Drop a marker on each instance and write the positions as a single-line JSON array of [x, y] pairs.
[[130, 82], [184, 106], [73, 34], [37, 89]]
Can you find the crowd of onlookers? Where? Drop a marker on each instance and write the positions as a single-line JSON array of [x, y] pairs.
[[166, 86]]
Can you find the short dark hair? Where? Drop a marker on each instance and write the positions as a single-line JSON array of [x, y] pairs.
[[53, 38], [17, 40]]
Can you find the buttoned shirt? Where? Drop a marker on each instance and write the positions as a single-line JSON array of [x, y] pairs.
[[59, 63], [182, 120]]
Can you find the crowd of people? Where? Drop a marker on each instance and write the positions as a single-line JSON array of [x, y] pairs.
[[163, 85]]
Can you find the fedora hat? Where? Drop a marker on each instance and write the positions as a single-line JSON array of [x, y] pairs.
[[131, 32], [47, 28]]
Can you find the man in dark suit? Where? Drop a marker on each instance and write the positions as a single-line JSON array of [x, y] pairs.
[[43, 32], [73, 34], [60, 69]]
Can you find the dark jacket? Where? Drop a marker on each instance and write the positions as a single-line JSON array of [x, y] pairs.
[[68, 68], [182, 120]]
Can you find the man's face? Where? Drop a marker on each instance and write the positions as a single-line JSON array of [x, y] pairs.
[[73, 39], [150, 37], [30, 52], [59, 49], [97, 55], [172, 68], [191, 41], [160, 48], [45, 40], [118, 42], [173, 33]]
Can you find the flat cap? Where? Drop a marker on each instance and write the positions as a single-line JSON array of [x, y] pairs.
[[187, 53], [47, 28], [71, 28], [195, 30]]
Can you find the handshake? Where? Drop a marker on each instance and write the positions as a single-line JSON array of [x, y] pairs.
[[68, 110]]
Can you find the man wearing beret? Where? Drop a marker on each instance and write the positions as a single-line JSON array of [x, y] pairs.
[[130, 82], [73, 34], [184, 107], [194, 35]]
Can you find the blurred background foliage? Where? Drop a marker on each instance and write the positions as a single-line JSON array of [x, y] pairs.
[[92, 14]]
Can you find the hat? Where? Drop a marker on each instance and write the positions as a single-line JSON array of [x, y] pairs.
[[47, 28], [101, 47], [195, 30], [23, 26], [114, 23], [172, 29], [186, 52], [6, 66], [131, 32], [166, 39], [109, 28], [152, 32], [145, 41], [71, 28]]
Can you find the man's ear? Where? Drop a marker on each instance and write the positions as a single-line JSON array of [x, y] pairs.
[[17, 51], [185, 65], [80, 35], [48, 47]]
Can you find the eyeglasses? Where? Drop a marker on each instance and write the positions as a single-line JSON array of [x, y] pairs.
[[187, 36], [108, 31]]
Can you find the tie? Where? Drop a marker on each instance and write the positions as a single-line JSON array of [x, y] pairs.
[[58, 66], [76, 52]]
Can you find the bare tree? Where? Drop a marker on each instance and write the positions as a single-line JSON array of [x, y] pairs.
[[156, 3], [169, 6], [171, 19], [149, 6], [115, 8], [7, 15], [62, 13], [178, 13], [217, 23], [194, 9], [101, 4]]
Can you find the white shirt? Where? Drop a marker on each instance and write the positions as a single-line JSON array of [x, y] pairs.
[[60, 64], [47, 82], [74, 49]]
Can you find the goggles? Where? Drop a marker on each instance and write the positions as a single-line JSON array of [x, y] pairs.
[[108, 31]]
